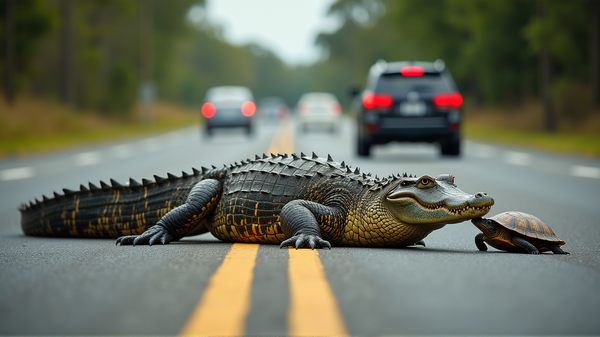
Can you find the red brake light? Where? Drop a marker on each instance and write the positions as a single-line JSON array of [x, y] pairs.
[[372, 101], [412, 71], [447, 101], [248, 108], [336, 108], [208, 110]]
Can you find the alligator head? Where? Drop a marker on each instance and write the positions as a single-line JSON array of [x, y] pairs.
[[427, 200]]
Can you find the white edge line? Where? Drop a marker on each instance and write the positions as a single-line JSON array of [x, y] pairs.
[[585, 171], [17, 173]]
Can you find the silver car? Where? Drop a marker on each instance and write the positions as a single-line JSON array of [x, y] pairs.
[[227, 107]]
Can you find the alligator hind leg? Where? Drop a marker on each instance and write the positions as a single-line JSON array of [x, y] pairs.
[[183, 219], [299, 223]]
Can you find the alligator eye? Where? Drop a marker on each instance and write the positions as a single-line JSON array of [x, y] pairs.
[[426, 182]]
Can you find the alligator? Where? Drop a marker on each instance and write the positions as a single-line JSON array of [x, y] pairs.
[[291, 200]]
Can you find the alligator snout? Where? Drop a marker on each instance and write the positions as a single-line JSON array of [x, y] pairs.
[[480, 194]]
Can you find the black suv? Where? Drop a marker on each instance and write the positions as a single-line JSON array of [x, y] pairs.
[[408, 101]]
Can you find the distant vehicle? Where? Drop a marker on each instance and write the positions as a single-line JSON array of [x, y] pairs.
[[408, 101], [273, 108], [319, 108], [227, 107]]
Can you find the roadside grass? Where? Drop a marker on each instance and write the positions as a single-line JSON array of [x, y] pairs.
[[522, 126], [32, 126], [564, 143]]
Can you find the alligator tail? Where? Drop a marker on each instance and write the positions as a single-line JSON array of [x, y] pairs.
[[108, 211]]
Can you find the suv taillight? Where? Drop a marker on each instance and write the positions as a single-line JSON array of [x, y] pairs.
[[447, 101], [380, 101]]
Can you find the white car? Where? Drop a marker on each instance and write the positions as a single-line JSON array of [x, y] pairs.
[[319, 109]]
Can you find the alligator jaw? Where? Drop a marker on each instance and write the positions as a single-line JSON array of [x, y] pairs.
[[416, 211], [428, 200]]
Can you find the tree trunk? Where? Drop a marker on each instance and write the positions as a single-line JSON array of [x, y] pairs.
[[546, 81], [546, 77], [66, 55], [595, 52], [9, 53], [146, 61]]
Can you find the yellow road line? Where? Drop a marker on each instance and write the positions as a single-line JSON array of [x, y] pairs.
[[283, 141], [313, 307], [225, 304]]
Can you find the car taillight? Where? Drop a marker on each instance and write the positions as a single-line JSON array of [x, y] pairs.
[[208, 110], [301, 108], [412, 71], [248, 108], [372, 101], [447, 101], [335, 108]]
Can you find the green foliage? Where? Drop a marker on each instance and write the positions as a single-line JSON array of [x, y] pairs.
[[491, 48], [121, 88], [32, 21]]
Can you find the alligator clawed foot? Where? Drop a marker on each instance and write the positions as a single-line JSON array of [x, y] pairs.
[[153, 235], [303, 240]]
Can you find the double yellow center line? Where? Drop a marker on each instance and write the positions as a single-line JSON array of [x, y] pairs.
[[225, 304]]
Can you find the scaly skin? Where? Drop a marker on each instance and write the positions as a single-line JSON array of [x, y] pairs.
[[299, 201]]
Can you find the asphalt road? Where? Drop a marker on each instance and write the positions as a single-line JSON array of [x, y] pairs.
[[55, 286]]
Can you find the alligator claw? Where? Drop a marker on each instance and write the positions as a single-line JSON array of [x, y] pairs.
[[154, 235], [125, 240], [303, 240]]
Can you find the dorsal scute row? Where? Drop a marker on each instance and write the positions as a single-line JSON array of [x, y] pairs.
[[131, 184], [304, 166]]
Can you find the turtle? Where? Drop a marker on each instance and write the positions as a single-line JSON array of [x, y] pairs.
[[517, 232]]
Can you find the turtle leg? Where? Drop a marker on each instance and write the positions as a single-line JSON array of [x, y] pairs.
[[556, 249], [526, 245], [479, 242]]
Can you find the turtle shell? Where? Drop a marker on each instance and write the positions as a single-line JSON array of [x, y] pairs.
[[527, 225]]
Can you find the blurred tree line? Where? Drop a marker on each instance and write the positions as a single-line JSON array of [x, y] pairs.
[[499, 52], [94, 54]]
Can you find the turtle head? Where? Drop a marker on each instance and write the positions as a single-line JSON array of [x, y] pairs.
[[428, 200], [487, 226]]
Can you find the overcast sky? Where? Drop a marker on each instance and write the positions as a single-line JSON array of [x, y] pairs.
[[286, 27]]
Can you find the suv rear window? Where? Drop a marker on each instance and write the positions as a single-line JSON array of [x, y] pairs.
[[396, 83]]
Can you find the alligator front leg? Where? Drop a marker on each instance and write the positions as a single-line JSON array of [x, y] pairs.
[[181, 220], [299, 223]]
